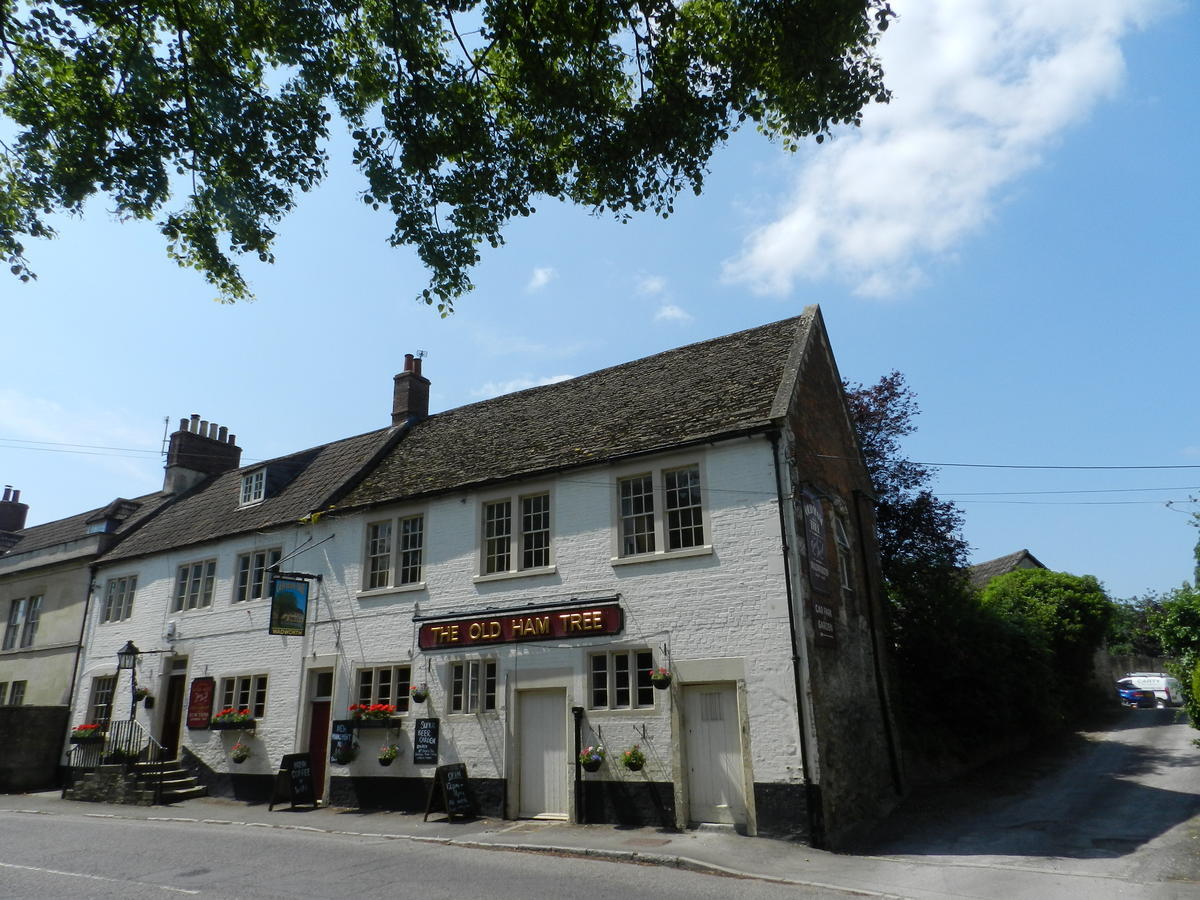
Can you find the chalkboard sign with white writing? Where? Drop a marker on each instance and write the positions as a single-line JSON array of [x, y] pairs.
[[294, 781], [341, 740], [451, 792], [425, 742]]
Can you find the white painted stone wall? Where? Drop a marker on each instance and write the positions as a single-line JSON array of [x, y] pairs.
[[729, 604]]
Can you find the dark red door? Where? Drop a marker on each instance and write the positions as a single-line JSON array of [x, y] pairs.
[[318, 744]]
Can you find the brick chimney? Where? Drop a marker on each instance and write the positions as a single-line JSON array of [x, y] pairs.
[[199, 449], [12, 510], [410, 393]]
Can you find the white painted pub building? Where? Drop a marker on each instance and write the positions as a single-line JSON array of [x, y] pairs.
[[530, 561]]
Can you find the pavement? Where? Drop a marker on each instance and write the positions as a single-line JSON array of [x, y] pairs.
[[711, 850]]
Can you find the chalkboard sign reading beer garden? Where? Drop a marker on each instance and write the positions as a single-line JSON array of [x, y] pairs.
[[425, 742], [450, 792]]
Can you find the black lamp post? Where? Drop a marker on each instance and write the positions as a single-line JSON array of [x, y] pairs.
[[127, 658]]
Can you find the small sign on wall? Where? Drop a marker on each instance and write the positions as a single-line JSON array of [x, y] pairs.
[[200, 702], [425, 742]]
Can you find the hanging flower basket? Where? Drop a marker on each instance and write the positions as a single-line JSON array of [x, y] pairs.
[[239, 753], [592, 758], [660, 678], [388, 754], [419, 693], [633, 759], [343, 756]]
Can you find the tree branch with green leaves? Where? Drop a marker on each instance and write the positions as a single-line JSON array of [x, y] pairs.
[[209, 116]]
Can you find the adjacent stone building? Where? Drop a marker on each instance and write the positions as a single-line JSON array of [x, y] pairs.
[[527, 565]]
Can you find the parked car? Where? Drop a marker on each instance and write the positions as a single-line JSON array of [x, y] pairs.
[[1166, 688], [1135, 696]]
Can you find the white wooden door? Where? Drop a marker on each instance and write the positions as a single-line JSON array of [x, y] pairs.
[[714, 754], [543, 754]]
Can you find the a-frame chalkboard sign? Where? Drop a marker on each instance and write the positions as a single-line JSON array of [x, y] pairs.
[[294, 782], [450, 792]]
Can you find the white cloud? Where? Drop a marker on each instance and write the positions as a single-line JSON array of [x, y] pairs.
[[669, 312], [651, 285], [496, 388], [981, 90], [541, 277]]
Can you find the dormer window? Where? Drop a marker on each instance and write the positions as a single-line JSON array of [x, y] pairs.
[[254, 487], [101, 527]]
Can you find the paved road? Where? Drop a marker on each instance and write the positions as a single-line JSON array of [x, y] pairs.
[[1115, 804], [74, 855]]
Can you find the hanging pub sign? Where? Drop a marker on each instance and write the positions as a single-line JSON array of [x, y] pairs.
[[200, 702], [289, 606], [820, 598], [582, 621]]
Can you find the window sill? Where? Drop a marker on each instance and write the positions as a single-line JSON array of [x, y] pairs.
[[372, 593], [706, 550], [501, 576]]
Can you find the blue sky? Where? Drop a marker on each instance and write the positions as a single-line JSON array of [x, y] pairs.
[[1016, 233]]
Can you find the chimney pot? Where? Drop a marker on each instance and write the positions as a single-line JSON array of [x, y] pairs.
[[204, 428], [16, 497], [7, 492], [183, 424], [410, 393], [223, 434], [195, 423]]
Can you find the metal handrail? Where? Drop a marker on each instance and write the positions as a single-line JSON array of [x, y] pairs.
[[128, 740]]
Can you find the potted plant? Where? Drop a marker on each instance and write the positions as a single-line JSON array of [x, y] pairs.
[[91, 733], [121, 756], [633, 759], [660, 678], [239, 752], [419, 692], [232, 717], [388, 754], [373, 715], [592, 758]]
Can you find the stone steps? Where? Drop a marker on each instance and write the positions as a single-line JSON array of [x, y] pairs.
[[137, 785]]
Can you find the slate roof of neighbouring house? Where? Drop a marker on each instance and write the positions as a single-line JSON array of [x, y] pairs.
[[129, 513], [302, 482], [699, 392], [984, 572]]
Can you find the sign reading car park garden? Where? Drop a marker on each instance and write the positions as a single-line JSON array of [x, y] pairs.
[[532, 625]]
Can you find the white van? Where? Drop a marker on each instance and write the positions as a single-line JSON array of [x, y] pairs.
[[1166, 687]]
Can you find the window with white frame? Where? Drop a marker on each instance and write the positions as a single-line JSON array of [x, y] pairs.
[[473, 686], [843, 550], [394, 552], [118, 598], [385, 684], [16, 618], [33, 613], [678, 493], [194, 585], [516, 534], [16, 695], [254, 487], [620, 679], [412, 548], [245, 692], [254, 575], [100, 702]]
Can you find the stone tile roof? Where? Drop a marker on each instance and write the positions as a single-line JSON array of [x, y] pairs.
[[691, 394], [132, 513], [300, 483], [984, 572]]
